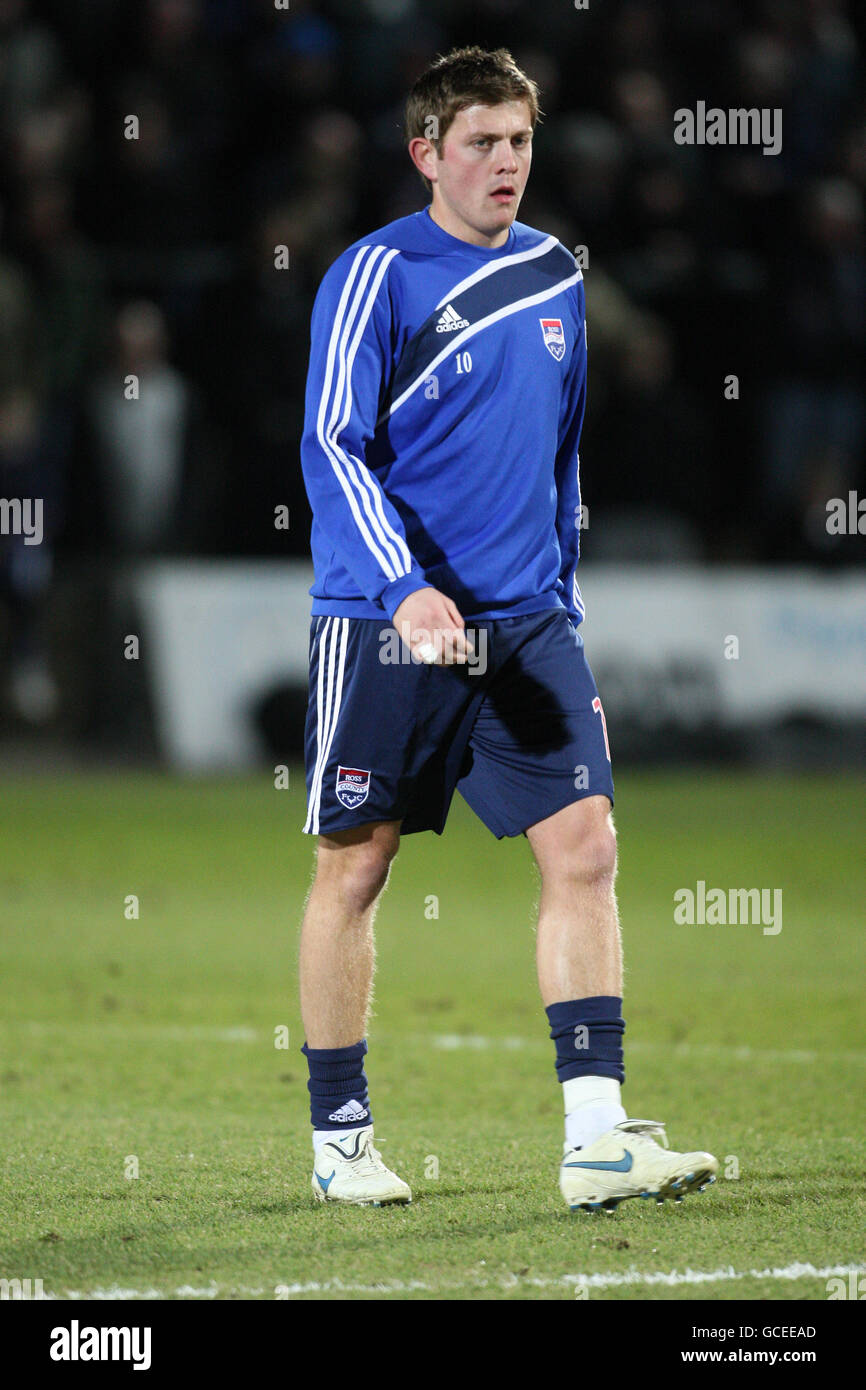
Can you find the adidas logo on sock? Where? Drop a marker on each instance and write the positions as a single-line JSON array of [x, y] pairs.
[[349, 1113], [450, 320]]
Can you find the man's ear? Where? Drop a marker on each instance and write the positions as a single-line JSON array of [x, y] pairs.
[[423, 156]]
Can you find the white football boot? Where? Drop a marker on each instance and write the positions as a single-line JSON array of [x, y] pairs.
[[351, 1170], [626, 1162]]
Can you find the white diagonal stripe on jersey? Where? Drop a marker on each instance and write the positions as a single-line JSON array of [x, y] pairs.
[[516, 259], [460, 338], [331, 447], [398, 551]]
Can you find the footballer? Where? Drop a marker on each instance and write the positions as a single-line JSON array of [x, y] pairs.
[[444, 404]]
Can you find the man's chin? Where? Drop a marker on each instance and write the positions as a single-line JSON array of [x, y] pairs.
[[501, 215], [490, 221]]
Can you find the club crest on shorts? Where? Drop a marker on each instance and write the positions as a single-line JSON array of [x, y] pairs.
[[554, 337], [353, 785]]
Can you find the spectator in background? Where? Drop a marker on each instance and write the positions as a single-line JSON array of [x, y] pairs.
[[32, 62], [17, 322], [666, 474], [815, 415], [160, 196], [258, 381], [256, 117], [156, 483], [590, 152], [69, 287], [291, 70], [30, 489]]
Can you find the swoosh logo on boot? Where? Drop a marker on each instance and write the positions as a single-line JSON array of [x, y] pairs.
[[351, 1154], [622, 1165], [325, 1183]]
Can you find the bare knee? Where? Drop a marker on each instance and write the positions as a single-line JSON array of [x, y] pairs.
[[593, 857], [355, 864], [581, 849]]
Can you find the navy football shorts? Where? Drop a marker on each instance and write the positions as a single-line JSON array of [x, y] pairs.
[[519, 732]]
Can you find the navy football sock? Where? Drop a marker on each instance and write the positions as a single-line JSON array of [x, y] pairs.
[[588, 1037], [338, 1086]]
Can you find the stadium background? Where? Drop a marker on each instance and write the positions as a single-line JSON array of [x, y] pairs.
[[262, 127]]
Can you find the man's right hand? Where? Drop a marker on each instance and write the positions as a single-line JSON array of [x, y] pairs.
[[431, 626]]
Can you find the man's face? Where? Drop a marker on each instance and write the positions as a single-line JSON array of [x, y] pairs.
[[486, 149]]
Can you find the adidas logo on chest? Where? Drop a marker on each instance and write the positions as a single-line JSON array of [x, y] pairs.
[[450, 320]]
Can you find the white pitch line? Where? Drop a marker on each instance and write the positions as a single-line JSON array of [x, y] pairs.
[[675, 1278], [474, 1042], [453, 1042], [616, 1279], [158, 1032]]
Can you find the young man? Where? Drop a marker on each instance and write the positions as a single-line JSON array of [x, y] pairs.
[[444, 406]]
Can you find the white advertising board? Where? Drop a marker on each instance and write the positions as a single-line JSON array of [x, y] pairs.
[[675, 645]]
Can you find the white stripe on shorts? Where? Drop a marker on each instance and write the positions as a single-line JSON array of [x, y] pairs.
[[329, 694]]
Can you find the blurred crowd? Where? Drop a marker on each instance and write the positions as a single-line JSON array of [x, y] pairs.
[[152, 156]]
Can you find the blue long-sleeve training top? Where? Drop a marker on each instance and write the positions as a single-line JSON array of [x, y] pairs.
[[445, 398]]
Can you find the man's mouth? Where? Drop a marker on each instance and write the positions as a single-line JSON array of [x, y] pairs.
[[503, 193]]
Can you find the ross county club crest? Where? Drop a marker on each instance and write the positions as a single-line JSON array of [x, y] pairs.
[[554, 337], [353, 784]]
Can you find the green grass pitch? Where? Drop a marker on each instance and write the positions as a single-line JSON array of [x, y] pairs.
[[148, 1046]]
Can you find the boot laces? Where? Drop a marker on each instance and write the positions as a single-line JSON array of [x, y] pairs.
[[645, 1128], [369, 1161]]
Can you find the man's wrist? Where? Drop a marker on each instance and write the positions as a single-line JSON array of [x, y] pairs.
[[400, 589]]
